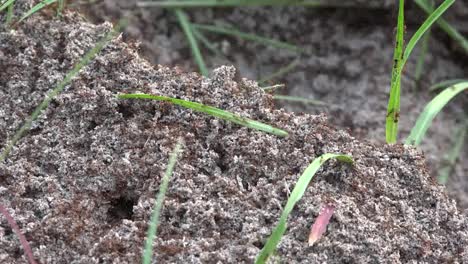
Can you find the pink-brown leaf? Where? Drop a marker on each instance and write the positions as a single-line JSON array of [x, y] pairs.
[[320, 225]]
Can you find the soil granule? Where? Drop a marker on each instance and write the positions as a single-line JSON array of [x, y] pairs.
[[81, 184]]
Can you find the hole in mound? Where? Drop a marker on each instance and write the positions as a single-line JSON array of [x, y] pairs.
[[258, 244], [18, 253], [92, 125], [7, 230], [121, 208], [31, 192], [125, 111]]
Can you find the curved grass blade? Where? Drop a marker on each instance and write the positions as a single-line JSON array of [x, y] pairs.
[[187, 28], [273, 87], [59, 88], [36, 8], [424, 27], [282, 71], [300, 100], [14, 226], [213, 111], [454, 153], [248, 36], [431, 110], [154, 222], [422, 53], [445, 84], [445, 26], [393, 109], [297, 193]]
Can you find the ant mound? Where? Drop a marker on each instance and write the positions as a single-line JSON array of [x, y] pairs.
[[82, 182]]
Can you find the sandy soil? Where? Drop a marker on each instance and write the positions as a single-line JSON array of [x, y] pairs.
[[347, 63], [82, 183]]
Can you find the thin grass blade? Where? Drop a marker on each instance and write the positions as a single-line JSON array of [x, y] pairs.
[[248, 36], [9, 16], [6, 4], [213, 111], [282, 71], [273, 87], [300, 100], [14, 226], [297, 193], [187, 28], [61, 6], [431, 110], [393, 109], [209, 45], [445, 84], [424, 27], [445, 26], [36, 8], [423, 52], [453, 155], [154, 222], [87, 58]]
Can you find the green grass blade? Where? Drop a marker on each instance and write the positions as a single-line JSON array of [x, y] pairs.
[[59, 88], [300, 100], [6, 4], [422, 57], [237, 3], [213, 111], [445, 84], [431, 110], [154, 222], [424, 27], [61, 6], [422, 53], [248, 36], [296, 194], [454, 153], [282, 71], [393, 109], [273, 87], [208, 44], [445, 26], [187, 28], [9, 16], [36, 8]]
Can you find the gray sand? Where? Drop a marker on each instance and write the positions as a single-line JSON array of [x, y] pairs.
[[82, 183]]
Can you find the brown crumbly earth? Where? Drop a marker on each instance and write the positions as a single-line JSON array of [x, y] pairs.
[[347, 63], [81, 184]]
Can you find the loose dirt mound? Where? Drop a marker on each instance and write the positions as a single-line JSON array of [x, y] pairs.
[[82, 183], [347, 64]]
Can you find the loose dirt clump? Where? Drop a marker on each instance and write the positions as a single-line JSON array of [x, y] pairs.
[[81, 184]]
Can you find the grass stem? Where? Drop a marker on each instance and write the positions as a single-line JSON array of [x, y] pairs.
[[59, 88], [187, 28], [155, 216]]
